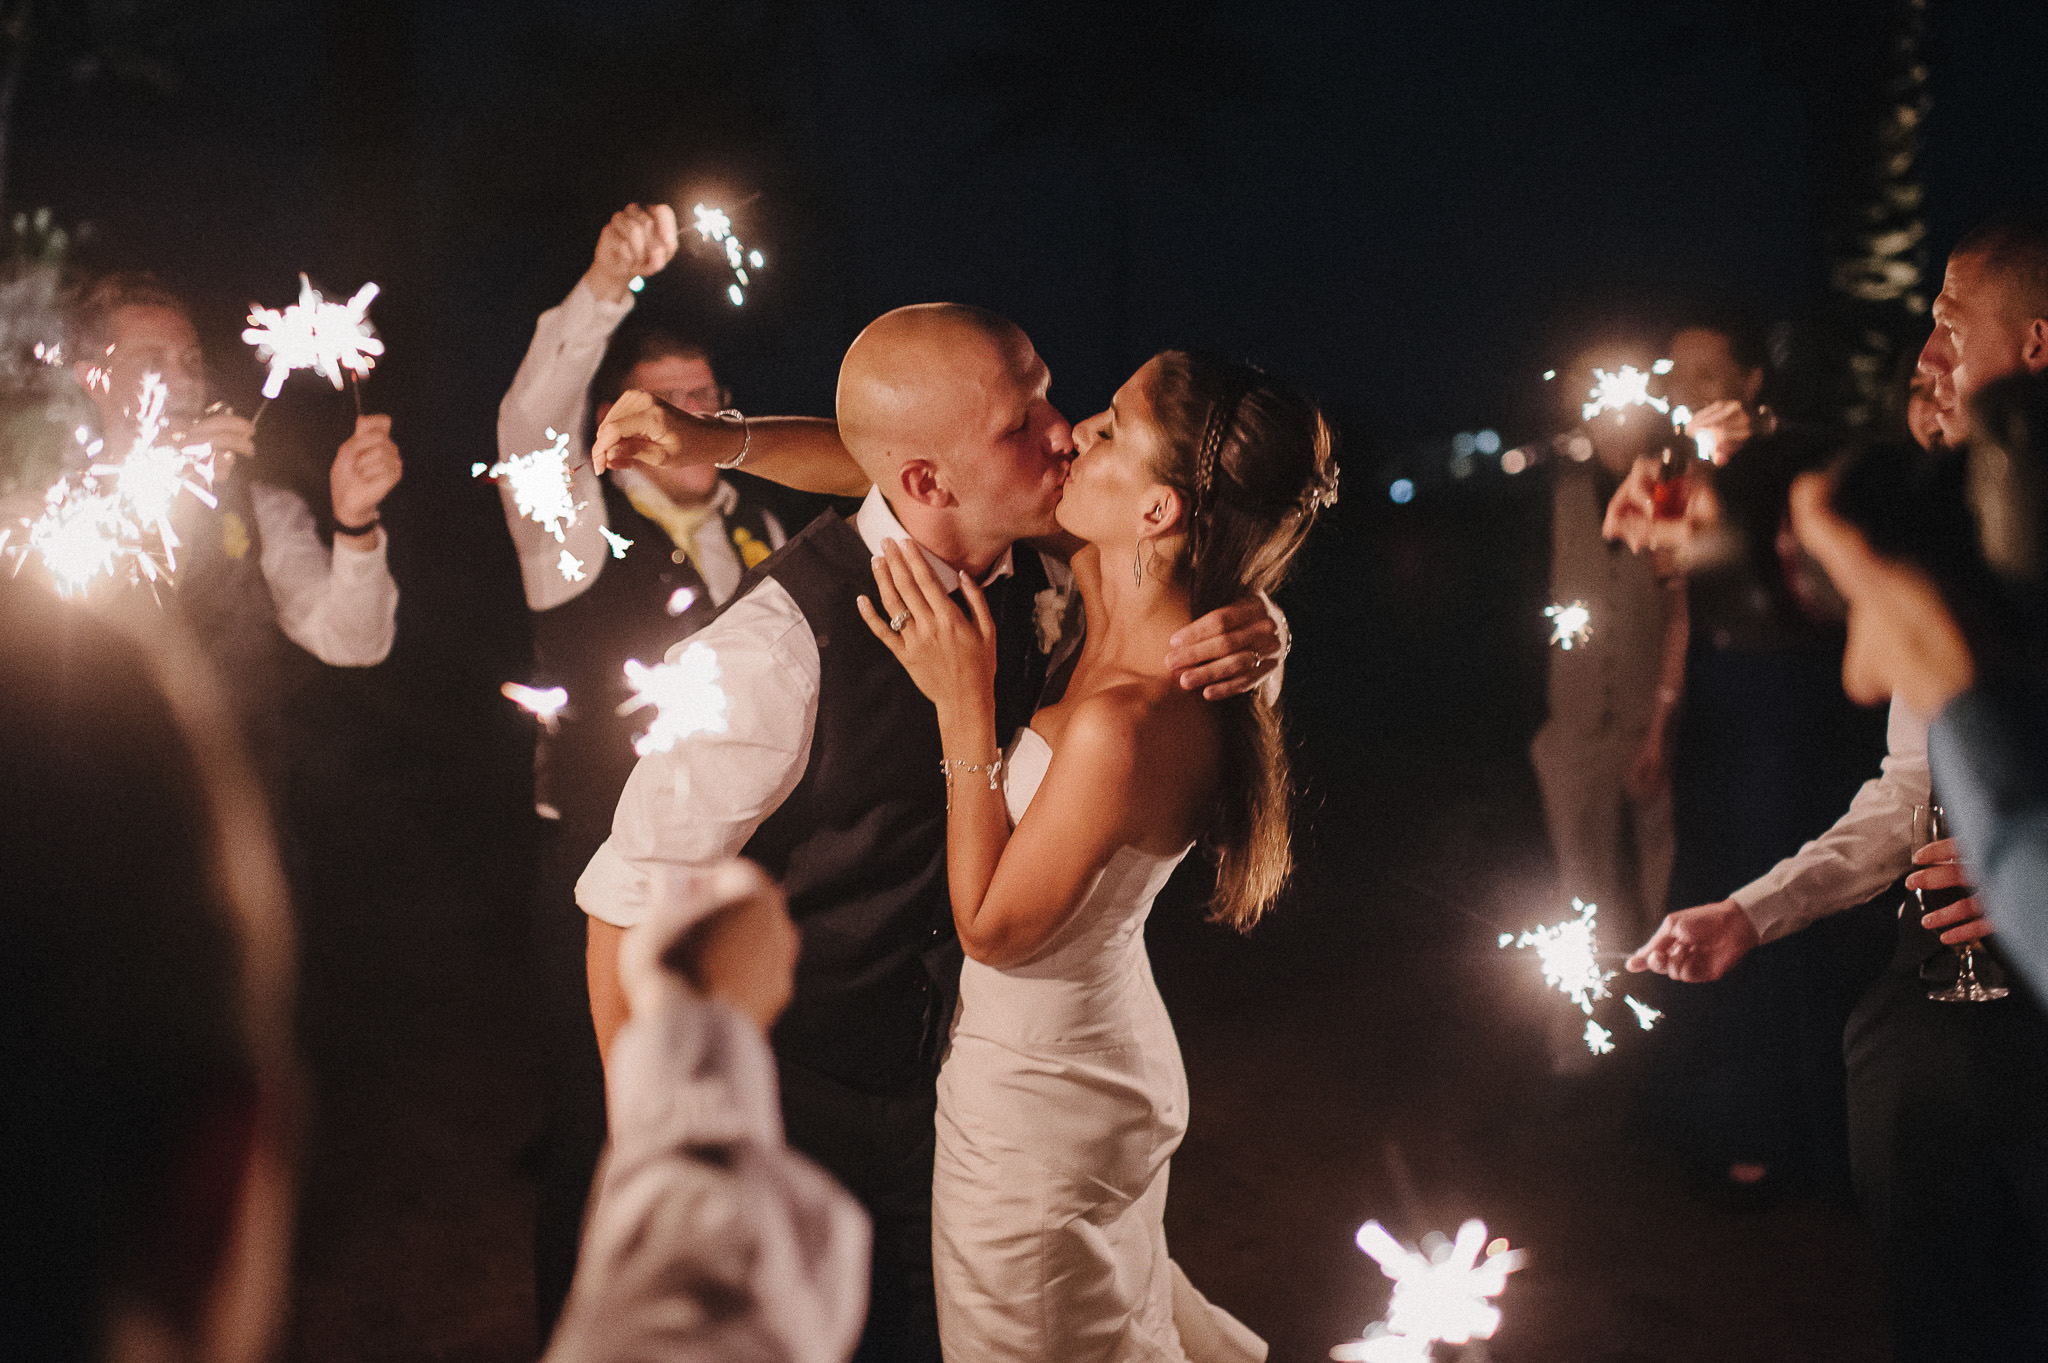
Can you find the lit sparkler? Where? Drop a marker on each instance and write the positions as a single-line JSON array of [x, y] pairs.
[[1444, 1295], [317, 335], [619, 543], [1569, 624], [541, 487], [714, 225], [1630, 387], [1570, 957], [1598, 1039], [100, 522], [543, 703], [570, 567], [1646, 1016], [1704, 442], [685, 695]]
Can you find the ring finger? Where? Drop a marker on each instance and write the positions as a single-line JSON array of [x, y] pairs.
[[904, 582]]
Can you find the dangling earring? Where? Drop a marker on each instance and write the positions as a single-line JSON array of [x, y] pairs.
[[1138, 565]]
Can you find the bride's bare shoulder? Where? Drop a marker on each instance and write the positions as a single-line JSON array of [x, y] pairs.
[[1148, 720]]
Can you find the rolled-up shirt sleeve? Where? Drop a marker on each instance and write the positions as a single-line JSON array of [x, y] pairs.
[[340, 605], [697, 804], [1868, 848]]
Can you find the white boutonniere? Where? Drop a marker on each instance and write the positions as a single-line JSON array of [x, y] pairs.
[[1049, 616]]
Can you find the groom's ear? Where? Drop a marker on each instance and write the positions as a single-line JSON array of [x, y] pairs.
[[919, 479], [1161, 512]]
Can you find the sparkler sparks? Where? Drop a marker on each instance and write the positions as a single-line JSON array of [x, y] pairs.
[[714, 225], [1615, 392], [1598, 1039], [619, 543], [1440, 1296], [685, 695], [1646, 1016], [570, 567], [543, 703], [1705, 442], [99, 523], [315, 334], [1570, 957], [1569, 624], [541, 488]]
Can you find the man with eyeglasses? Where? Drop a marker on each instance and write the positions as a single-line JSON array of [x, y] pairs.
[[651, 555]]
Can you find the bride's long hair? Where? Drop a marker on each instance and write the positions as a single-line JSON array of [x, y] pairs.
[[1254, 462]]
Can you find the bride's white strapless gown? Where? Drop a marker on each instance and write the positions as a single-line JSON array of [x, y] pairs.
[[1061, 1101]]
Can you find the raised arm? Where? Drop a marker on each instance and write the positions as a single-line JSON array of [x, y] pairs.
[[796, 451]]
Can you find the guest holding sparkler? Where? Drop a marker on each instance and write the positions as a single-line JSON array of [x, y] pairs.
[[659, 549], [252, 573], [1943, 1151]]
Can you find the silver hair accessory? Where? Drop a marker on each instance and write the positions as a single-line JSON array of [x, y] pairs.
[[731, 414], [948, 766], [1321, 495]]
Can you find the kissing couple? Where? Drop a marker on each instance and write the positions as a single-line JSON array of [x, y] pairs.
[[987, 718]]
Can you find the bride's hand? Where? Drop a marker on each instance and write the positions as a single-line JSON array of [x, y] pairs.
[[951, 655]]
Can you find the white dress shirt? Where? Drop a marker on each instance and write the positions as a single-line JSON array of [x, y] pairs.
[[697, 804], [551, 391], [340, 605], [1868, 848], [709, 1238]]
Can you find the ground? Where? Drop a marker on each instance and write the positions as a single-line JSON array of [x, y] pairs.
[[1367, 1052]]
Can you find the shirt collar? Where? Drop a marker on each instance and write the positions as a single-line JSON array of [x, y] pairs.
[[878, 525]]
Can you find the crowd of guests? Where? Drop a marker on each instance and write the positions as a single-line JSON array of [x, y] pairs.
[[1792, 1050], [1693, 758]]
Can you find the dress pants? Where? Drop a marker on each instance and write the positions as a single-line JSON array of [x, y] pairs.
[[880, 1147], [1611, 849], [1948, 1134]]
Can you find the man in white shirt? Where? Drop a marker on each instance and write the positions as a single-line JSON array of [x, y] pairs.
[[254, 567], [648, 558], [827, 770]]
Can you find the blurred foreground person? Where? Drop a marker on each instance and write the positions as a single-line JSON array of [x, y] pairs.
[[145, 1002], [1947, 1141], [709, 1237], [688, 536]]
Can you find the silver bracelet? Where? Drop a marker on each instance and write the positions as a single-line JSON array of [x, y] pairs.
[[746, 438], [947, 766]]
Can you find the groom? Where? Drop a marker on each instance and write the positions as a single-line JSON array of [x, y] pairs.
[[828, 770]]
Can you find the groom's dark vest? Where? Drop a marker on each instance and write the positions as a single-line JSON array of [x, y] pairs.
[[860, 844]]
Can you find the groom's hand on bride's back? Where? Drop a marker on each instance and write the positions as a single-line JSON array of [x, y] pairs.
[[1231, 650]]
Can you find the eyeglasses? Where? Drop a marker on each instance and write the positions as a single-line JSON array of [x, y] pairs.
[[710, 397]]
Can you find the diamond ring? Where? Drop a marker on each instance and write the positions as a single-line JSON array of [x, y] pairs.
[[899, 620]]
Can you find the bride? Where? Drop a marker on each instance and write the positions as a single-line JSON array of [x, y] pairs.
[[1062, 1096]]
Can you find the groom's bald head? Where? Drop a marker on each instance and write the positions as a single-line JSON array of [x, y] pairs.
[[929, 381]]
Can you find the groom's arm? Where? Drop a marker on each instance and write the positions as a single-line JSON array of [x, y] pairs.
[[1235, 649], [698, 803]]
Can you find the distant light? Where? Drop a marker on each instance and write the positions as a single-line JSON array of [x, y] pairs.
[[680, 600], [1514, 461], [1488, 442], [1401, 491], [1463, 443], [1579, 447], [1549, 374], [1461, 466], [636, 283]]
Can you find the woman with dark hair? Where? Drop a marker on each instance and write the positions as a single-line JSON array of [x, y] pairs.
[[1062, 1097]]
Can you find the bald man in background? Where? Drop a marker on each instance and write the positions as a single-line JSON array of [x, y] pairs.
[[828, 771]]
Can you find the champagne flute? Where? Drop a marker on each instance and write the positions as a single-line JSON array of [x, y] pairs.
[[1930, 824]]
